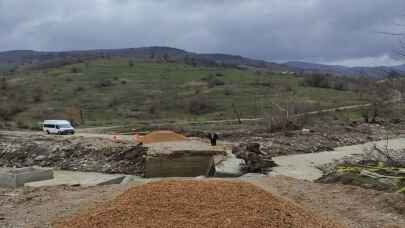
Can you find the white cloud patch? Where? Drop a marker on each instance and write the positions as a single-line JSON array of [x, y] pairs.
[[384, 60]]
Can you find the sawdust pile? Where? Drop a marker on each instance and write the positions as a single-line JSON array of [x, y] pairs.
[[162, 136], [197, 204]]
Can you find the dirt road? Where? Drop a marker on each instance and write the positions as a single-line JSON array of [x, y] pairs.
[[304, 166], [80, 133]]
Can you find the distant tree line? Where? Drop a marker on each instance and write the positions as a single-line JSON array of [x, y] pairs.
[[329, 81]]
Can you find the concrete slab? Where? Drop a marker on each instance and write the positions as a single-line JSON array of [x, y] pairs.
[[230, 166], [196, 146], [13, 178], [79, 178]]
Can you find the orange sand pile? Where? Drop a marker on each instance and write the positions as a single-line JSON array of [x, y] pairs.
[[197, 204], [162, 136]]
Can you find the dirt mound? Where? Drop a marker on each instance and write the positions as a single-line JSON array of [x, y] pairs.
[[162, 136], [197, 204]]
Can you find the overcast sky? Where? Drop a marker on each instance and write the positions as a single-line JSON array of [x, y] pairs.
[[325, 31]]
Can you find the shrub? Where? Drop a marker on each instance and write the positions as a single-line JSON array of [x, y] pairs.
[[23, 125], [198, 105], [38, 94], [80, 89], [299, 107], [197, 91], [215, 82], [75, 70], [153, 109], [73, 114], [228, 92], [104, 83], [316, 80], [9, 109], [328, 81], [3, 84]]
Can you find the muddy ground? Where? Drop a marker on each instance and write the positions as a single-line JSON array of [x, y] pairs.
[[319, 137], [90, 152], [75, 153], [351, 206], [95, 152]]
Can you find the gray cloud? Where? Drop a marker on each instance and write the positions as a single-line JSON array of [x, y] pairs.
[[277, 30]]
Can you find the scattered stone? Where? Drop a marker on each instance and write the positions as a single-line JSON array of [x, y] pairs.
[[75, 154]]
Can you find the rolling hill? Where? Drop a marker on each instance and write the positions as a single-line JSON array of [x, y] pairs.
[[369, 72], [38, 60], [119, 90], [28, 59]]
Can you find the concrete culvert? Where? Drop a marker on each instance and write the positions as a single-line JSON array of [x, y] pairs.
[[181, 159]]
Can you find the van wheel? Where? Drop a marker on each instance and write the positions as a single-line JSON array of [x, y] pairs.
[[47, 132]]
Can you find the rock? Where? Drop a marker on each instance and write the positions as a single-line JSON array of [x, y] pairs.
[[255, 160], [40, 158], [306, 131], [253, 147], [253, 175], [230, 166]]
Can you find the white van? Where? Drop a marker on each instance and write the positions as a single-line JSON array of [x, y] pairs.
[[60, 127]]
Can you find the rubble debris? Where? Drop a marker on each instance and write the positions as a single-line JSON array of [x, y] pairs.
[[162, 136], [75, 154], [13, 178], [255, 160], [197, 204], [377, 168], [390, 157], [318, 139]]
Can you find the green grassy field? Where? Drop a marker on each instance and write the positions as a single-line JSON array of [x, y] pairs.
[[114, 92], [6, 68]]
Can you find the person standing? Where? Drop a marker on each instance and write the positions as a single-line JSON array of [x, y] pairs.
[[213, 138]]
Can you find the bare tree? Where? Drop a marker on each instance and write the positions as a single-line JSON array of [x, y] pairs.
[[380, 95], [3, 83]]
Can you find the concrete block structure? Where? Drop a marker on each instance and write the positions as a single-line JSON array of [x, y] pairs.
[[181, 159], [13, 178]]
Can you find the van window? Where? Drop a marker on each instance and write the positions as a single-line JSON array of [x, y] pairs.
[[49, 125], [64, 126]]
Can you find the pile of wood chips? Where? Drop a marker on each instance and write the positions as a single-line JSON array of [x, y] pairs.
[[162, 136], [197, 204]]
